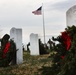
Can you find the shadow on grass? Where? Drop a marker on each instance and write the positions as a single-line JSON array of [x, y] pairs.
[[53, 70], [45, 71]]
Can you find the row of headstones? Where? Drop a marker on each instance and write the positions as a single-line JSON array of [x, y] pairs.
[[16, 35]]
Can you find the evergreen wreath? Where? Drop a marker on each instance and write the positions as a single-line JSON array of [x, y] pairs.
[[7, 51], [64, 55]]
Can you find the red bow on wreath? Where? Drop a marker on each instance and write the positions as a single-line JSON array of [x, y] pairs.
[[66, 39], [6, 49]]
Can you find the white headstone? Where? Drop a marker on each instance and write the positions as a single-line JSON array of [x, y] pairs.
[[34, 44], [0, 44], [48, 45], [71, 16], [25, 47], [16, 35]]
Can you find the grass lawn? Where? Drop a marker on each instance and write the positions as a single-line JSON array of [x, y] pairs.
[[30, 65]]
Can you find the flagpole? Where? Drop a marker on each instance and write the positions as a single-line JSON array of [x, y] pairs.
[[43, 23]]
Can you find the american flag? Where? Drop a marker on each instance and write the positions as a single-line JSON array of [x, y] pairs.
[[38, 11]]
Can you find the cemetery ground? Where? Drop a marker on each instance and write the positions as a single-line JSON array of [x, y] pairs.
[[30, 65]]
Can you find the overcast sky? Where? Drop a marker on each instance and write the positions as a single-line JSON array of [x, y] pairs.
[[18, 13]]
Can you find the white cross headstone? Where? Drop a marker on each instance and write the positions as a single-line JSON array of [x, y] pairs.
[[34, 44], [71, 16], [16, 35]]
